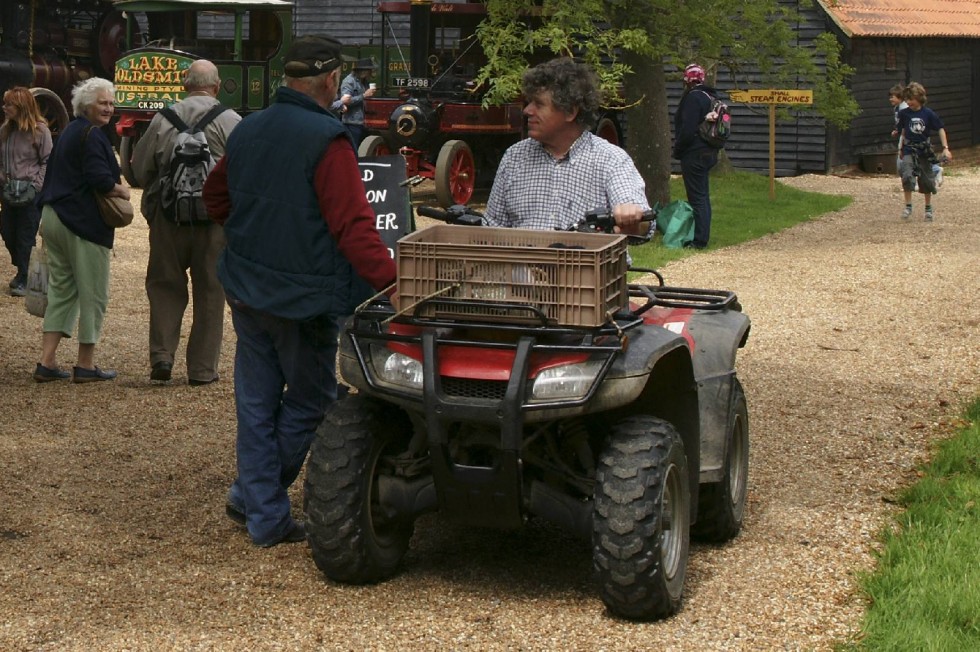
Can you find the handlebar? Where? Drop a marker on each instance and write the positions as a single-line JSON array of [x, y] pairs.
[[603, 222], [455, 214], [593, 222]]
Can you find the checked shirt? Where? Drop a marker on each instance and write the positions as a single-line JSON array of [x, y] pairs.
[[533, 190]]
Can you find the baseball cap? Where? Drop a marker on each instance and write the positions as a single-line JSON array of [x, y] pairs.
[[693, 74], [312, 55]]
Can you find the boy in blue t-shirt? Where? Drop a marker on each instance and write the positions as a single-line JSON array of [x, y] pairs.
[[916, 124]]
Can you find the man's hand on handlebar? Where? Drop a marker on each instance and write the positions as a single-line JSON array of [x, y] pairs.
[[629, 219]]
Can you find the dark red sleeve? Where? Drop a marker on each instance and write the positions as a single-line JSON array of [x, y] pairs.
[[217, 201], [349, 217]]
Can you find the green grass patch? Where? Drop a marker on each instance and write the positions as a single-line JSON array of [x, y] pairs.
[[925, 592], [741, 210]]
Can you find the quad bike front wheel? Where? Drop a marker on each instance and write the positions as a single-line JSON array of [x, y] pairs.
[[641, 519], [721, 505], [353, 537]]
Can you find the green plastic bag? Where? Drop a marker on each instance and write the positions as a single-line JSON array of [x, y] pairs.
[[676, 222]]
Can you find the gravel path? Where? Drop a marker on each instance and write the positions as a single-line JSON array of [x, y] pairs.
[[863, 350]]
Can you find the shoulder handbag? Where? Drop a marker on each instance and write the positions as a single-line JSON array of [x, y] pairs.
[[36, 297], [116, 211], [16, 192]]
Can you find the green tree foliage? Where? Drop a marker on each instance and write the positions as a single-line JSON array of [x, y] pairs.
[[630, 42]]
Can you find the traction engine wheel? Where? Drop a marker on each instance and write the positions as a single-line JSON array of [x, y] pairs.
[[721, 505], [373, 146], [53, 110], [126, 146], [609, 130], [641, 520], [354, 538], [455, 173]]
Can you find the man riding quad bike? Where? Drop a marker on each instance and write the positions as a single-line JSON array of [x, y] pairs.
[[489, 402]]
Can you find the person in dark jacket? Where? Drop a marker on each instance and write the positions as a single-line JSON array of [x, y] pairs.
[[696, 156], [302, 251], [78, 242]]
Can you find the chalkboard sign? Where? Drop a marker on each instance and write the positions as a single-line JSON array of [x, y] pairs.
[[382, 176]]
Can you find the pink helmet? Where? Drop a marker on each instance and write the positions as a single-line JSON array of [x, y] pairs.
[[693, 74]]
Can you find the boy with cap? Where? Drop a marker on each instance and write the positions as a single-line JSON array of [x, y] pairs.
[[302, 251]]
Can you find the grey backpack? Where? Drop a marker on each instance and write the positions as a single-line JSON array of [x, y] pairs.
[[181, 187]]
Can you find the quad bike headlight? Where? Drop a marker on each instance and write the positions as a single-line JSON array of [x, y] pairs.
[[568, 381], [399, 369]]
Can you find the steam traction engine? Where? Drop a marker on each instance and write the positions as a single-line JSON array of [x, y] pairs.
[[427, 107], [245, 39], [50, 45]]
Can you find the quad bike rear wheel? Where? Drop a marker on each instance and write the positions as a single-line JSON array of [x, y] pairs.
[[455, 174], [721, 505], [353, 537], [641, 519]]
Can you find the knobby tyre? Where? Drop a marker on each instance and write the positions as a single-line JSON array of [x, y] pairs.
[[721, 505], [352, 537], [641, 520]]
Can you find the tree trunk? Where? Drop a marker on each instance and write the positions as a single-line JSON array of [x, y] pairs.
[[648, 125]]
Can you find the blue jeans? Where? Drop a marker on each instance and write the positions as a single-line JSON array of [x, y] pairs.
[[284, 382], [695, 166]]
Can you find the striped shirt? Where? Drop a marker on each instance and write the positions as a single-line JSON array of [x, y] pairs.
[[533, 190]]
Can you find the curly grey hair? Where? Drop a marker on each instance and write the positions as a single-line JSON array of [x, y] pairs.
[[86, 93], [573, 85]]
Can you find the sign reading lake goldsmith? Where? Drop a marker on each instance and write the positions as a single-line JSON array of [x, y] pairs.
[[772, 97], [150, 81]]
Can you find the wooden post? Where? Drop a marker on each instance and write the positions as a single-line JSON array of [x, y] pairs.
[[772, 98], [772, 152]]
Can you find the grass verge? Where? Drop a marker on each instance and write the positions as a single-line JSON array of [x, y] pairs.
[[925, 592], [741, 211]]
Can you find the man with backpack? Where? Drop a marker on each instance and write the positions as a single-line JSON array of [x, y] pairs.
[[171, 161], [696, 154]]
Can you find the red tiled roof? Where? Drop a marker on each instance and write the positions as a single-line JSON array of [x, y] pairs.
[[906, 18]]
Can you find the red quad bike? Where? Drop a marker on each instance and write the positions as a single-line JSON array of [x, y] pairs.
[[632, 433]]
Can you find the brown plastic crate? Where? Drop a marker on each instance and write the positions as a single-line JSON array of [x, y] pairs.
[[575, 279]]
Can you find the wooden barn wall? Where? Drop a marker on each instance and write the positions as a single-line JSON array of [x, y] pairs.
[[801, 145], [938, 64], [352, 22]]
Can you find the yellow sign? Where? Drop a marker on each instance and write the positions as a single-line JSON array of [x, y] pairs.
[[770, 96]]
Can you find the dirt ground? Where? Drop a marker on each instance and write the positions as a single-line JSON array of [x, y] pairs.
[[863, 351]]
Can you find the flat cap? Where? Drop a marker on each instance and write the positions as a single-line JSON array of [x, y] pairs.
[[312, 55], [365, 64]]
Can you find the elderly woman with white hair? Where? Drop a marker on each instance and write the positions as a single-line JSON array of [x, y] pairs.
[[77, 240]]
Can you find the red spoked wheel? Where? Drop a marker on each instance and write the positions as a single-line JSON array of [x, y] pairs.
[[609, 130], [455, 173], [373, 146]]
